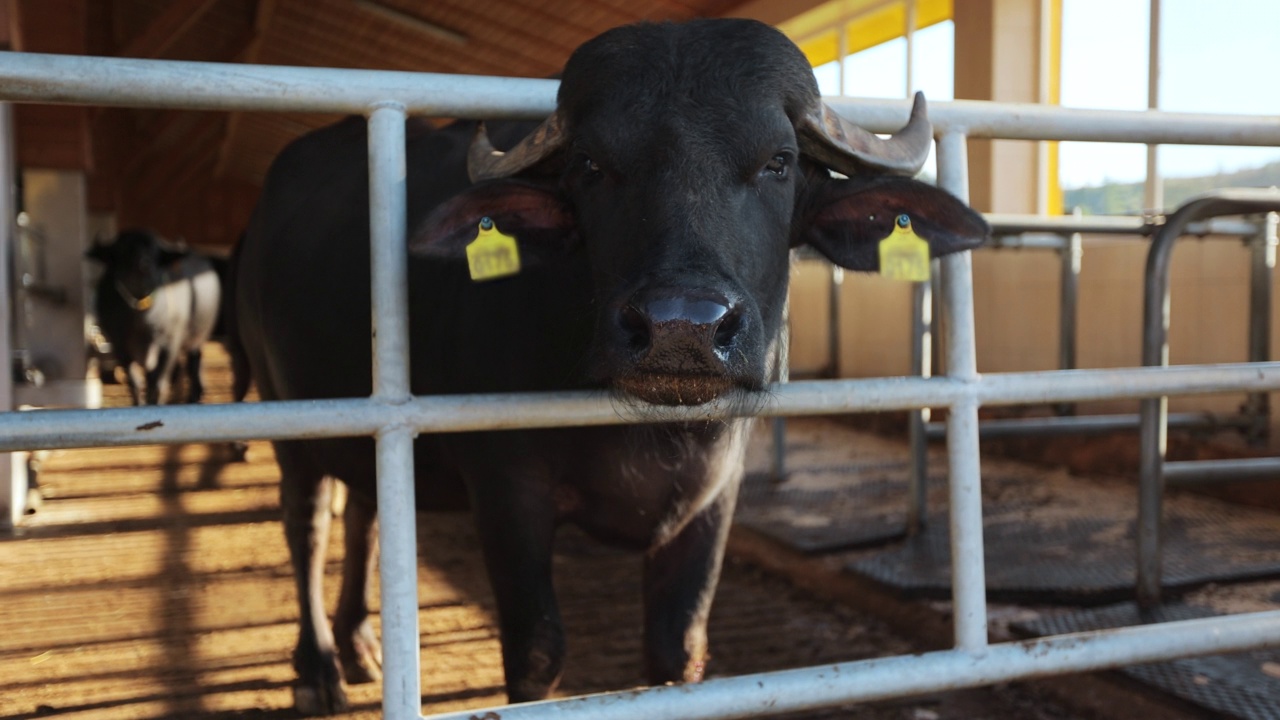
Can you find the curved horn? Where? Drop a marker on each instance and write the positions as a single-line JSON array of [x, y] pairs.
[[849, 149], [486, 163]]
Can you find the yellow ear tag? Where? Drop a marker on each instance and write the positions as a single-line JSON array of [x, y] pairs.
[[492, 254], [904, 255], [145, 303]]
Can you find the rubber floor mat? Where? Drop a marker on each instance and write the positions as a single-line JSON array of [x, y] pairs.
[[1241, 685], [857, 505], [1081, 549]]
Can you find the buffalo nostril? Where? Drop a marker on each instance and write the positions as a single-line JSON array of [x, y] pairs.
[[690, 330], [727, 331], [698, 312], [635, 325]]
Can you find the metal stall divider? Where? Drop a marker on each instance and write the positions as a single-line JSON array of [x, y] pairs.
[[1153, 433], [1064, 236], [393, 416]]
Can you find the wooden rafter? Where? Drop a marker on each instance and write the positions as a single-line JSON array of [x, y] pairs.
[[167, 28], [261, 23], [159, 180]]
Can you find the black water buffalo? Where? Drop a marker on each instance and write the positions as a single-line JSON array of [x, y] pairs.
[[655, 213], [157, 305]]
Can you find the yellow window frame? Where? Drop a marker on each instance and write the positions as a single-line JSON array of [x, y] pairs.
[[867, 23]]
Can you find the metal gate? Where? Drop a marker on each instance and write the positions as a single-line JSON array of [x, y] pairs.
[[394, 417]]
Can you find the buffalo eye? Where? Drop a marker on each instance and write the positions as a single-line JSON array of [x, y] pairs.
[[777, 167], [590, 168]]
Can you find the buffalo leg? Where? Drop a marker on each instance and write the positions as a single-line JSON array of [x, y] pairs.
[[159, 371], [195, 388], [135, 377], [304, 498], [679, 581], [516, 525], [358, 645], [241, 376]]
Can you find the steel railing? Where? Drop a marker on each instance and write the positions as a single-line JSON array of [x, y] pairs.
[[393, 417]]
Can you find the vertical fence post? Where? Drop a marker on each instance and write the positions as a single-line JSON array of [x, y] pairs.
[[834, 320], [1071, 254], [398, 567], [13, 478], [921, 365], [968, 572], [782, 374], [1263, 263], [1153, 431]]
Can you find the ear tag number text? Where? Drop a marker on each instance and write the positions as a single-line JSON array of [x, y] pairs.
[[492, 254], [904, 255]]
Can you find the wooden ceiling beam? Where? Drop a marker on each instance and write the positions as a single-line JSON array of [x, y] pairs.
[[159, 179], [171, 133], [52, 136], [167, 28], [265, 11], [10, 25]]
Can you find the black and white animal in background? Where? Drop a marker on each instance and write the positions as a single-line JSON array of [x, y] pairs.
[[655, 213], [157, 305]]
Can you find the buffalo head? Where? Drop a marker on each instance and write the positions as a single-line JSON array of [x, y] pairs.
[[137, 261], [687, 160]]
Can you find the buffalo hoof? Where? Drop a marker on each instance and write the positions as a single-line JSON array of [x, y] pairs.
[[326, 699], [318, 689], [361, 654]]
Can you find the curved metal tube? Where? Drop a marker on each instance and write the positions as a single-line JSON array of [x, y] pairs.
[[1155, 352]]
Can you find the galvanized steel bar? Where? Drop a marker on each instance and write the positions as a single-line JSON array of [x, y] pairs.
[[1026, 121], [833, 321], [1153, 433], [1194, 472], [309, 419], [126, 82], [1068, 308], [398, 576], [390, 258], [398, 561], [1262, 267], [968, 575], [13, 482], [805, 689], [1017, 223], [782, 372], [917, 438], [1080, 425]]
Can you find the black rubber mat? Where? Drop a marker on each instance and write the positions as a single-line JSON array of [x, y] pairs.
[[865, 505], [1082, 554], [1241, 685]]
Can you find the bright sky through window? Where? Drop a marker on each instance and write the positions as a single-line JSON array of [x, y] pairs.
[[1213, 56]]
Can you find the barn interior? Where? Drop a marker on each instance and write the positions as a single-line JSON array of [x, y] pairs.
[[75, 174]]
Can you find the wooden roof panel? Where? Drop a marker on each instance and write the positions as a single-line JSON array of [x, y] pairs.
[[168, 158]]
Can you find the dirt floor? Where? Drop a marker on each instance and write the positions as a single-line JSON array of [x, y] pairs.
[[154, 583]]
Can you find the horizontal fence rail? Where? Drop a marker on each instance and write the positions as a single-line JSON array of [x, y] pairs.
[[1017, 223], [884, 678], [309, 419], [124, 82], [393, 417]]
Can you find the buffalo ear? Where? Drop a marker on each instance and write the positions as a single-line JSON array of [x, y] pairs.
[[537, 216], [847, 219]]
